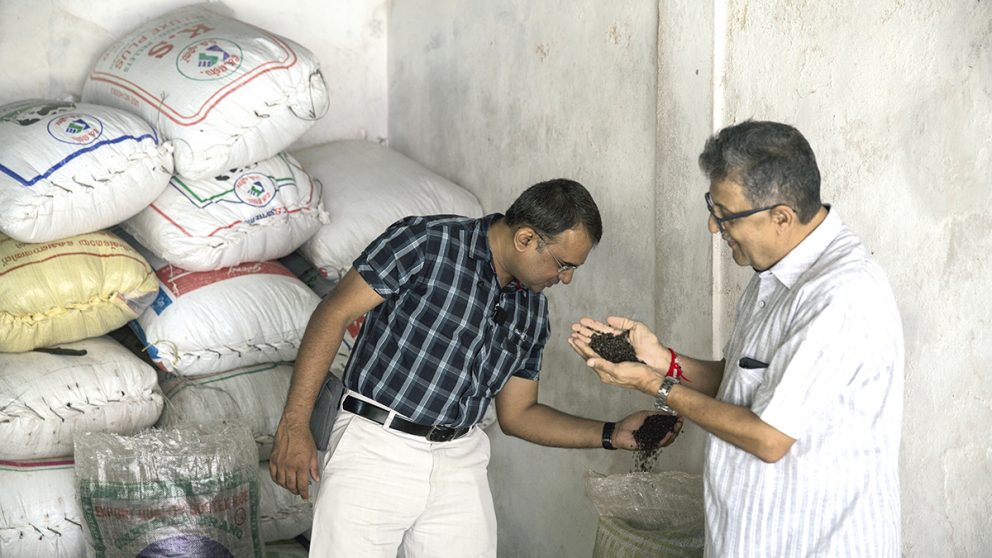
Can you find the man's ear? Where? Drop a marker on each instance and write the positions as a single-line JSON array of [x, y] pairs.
[[523, 237], [783, 216]]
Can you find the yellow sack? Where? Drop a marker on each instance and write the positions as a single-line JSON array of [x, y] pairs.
[[70, 289]]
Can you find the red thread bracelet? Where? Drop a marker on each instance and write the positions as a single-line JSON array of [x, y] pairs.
[[674, 368]]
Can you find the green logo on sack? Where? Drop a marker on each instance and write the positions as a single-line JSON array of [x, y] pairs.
[[255, 189], [209, 59], [75, 128]]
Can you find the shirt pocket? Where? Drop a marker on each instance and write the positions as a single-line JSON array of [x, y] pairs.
[[742, 384], [507, 352]]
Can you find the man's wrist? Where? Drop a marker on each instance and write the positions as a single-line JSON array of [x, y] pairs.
[[661, 396], [607, 438]]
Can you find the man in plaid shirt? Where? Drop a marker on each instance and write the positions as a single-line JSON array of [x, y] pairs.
[[456, 318]]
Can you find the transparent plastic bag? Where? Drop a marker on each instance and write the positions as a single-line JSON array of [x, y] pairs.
[[190, 491], [666, 500]]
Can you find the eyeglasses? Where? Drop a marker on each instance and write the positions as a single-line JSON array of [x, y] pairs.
[[721, 220], [562, 266]]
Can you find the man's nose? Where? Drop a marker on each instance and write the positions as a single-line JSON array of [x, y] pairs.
[[712, 225]]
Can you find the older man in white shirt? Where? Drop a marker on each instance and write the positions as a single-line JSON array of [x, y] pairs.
[[804, 411]]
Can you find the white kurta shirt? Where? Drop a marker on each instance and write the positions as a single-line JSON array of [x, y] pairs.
[[825, 321]]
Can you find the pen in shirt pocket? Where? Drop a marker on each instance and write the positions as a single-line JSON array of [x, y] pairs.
[[750, 363]]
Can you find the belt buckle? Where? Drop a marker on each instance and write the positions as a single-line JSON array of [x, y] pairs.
[[440, 433]]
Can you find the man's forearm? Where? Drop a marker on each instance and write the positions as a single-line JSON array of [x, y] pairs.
[[731, 423], [320, 343]]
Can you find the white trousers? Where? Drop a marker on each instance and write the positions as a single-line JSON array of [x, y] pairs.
[[384, 493]]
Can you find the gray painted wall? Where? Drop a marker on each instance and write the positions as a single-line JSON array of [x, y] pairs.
[[896, 99]]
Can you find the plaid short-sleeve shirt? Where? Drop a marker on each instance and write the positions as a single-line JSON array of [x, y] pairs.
[[447, 337]]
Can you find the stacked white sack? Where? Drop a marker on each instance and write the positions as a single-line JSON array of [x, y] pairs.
[[95, 385], [71, 289], [282, 515], [212, 321], [368, 187], [69, 169], [226, 93], [253, 395], [39, 512], [256, 213]]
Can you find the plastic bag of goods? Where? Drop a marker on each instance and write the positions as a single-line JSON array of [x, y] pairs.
[[226, 93], [71, 289], [95, 385], [648, 500], [204, 322], [260, 212], [39, 511], [281, 514], [368, 187], [192, 491], [68, 169]]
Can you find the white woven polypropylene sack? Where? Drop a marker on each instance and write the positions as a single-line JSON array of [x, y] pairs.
[[68, 169], [71, 289], [95, 385], [282, 515], [256, 213], [211, 321], [226, 93], [253, 396], [39, 512], [368, 187]]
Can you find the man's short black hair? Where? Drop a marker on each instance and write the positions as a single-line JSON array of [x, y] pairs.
[[554, 206]]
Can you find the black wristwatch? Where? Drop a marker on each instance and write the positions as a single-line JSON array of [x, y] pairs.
[[608, 428]]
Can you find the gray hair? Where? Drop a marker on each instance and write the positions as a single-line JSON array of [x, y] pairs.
[[772, 162]]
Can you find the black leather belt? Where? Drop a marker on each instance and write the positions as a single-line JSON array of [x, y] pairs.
[[380, 415]]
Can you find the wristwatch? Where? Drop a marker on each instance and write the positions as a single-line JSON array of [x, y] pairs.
[[608, 428], [661, 398]]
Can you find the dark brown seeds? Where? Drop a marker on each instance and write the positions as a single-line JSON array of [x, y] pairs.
[[649, 437], [614, 348]]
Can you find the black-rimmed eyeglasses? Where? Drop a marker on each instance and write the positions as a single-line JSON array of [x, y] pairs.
[[562, 266], [721, 220]]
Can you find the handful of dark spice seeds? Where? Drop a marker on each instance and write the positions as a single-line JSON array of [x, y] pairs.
[[649, 437], [614, 348], [617, 348]]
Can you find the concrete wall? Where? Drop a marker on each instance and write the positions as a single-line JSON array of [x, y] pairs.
[[47, 48], [896, 99], [498, 96]]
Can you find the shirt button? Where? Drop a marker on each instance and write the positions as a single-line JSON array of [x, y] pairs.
[[480, 284], [761, 304]]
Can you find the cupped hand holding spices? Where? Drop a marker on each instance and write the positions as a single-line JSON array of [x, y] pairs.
[[646, 345]]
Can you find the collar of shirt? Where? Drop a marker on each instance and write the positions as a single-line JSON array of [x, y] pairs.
[[481, 249], [796, 262]]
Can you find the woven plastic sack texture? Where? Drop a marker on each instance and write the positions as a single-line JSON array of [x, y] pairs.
[[192, 491], [225, 92], [213, 321], [253, 396], [255, 213], [368, 187], [71, 289], [281, 514], [96, 385], [72, 168], [648, 500], [40, 514]]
